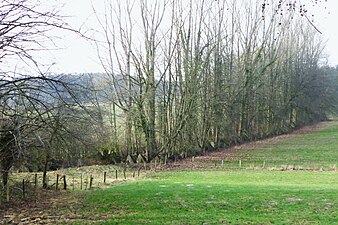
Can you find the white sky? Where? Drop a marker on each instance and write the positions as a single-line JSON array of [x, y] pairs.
[[79, 56], [326, 20]]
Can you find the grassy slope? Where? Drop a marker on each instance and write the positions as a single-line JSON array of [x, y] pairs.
[[310, 150], [235, 196]]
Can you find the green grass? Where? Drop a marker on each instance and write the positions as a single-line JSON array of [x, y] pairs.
[[313, 150], [221, 197], [234, 196]]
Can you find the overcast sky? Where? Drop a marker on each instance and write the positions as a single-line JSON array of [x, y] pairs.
[[327, 23], [80, 56]]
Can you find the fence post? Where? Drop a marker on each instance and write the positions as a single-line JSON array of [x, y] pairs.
[[73, 183], [57, 182], [81, 182], [138, 171], [240, 163], [124, 173], [23, 188], [36, 183], [91, 182], [116, 174], [104, 176], [64, 182]]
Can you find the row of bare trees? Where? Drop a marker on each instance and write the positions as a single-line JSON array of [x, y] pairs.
[[187, 77]]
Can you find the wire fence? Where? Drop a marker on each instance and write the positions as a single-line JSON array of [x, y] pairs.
[[28, 185]]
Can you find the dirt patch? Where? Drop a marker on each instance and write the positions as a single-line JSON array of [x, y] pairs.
[[294, 199]]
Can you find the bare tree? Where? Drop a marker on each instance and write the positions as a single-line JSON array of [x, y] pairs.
[[26, 90]]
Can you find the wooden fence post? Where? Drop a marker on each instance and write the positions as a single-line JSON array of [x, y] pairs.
[[124, 173], [64, 182], [116, 174], [91, 182], [36, 186], [104, 176], [81, 182], [57, 182], [23, 188]]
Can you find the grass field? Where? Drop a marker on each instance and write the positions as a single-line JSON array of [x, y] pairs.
[[221, 197], [236, 196], [215, 195]]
